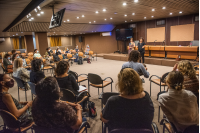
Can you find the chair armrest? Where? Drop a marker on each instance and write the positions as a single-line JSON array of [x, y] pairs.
[[83, 74], [155, 127], [85, 97], [154, 76], [109, 78], [88, 94], [83, 127]]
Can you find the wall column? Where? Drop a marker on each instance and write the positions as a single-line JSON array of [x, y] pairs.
[[29, 43], [41, 42]]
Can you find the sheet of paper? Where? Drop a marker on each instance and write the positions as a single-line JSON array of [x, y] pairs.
[[82, 88]]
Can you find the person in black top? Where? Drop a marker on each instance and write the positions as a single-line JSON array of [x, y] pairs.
[[132, 108], [36, 73], [141, 48]]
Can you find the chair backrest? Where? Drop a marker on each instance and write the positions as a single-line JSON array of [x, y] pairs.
[[30, 58], [60, 56], [3, 67], [10, 53], [9, 119], [80, 54], [39, 129], [32, 86], [91, 52], [69, 56], [28, 61], [131, 131], [20, 82], [163, 78], [107, 95], [30, 54], [73, 74], [19, 52], [68, 95], [192, 129], [54, 51], [73, 51], [94, 78], [23, 54]]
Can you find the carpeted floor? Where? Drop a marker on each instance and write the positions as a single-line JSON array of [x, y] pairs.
[[105, 68]]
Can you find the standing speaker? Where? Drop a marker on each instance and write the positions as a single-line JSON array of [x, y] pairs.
[[80, 39]]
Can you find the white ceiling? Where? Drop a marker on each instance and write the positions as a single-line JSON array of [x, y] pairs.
[[10, 9]]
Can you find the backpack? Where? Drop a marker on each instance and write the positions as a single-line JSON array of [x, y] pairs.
[[92, 109], [80, 61], [56, 58]]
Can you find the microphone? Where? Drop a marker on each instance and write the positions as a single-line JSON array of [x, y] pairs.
[[164, 42], [154, 42]]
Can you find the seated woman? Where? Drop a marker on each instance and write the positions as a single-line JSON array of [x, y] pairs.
[[15, 56], [48, 111], [64, 80], [7, 62], [76, 49], [87, 49], [10, 104], [133, 108], [36, 73], [133, 62], [37, 54], [179, 105], [190, 82], [48, 52], [20, 72], [58, 52], [67, 50]]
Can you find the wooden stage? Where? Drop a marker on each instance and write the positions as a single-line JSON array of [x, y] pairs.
[[148, 60]]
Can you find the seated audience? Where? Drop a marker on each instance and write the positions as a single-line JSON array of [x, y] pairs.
[[58, 52], [14, 56], [133, 62], [64, 80], [179, 105], [36, 73], [48, 111], [190, 82], [37, 54], [7, 62], [133, 108], [7, 102], [20, 72], [48, 52]]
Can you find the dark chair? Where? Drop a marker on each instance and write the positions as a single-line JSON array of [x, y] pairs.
[[12, 123], [21, 84], [96, 81], [159, 81], [4, 70], [32, 86], [79, 78], [83, 128], [104, 97], [192, 129]]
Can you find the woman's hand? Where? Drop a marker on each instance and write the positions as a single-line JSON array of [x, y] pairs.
[[175, 67], [23, 103], [29, 104], [78, 107]]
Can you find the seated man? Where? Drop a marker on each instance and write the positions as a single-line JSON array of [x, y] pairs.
[[48, 52], [37, 54], [133, 62]]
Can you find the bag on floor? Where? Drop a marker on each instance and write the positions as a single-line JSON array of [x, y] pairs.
[[92, 109], [80, 61]]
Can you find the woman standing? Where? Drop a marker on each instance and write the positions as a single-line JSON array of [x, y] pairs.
[[131, 45], [141, 46]]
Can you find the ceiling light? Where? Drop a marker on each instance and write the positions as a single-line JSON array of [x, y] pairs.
[[152, 16], [104, 10], [95, 31], [124, 4], [145, 17], [53, 32], [153, 9], [170, 13], [13, 35], [133, 13], [105, 19], [77, 17], [35, 10], [110, 18], [92, 31], [32, 18], [94, 21], [21, 32], [67, 19], [16, 34], [83, 16], [96, 12], [135, 1], [164, 8], [131, 20], [89, 22], [64, 21], [27, 16], [125, 21], [42, 12], [115, 12], [38, 14], [39, 8], [180, 12], [125, 15]]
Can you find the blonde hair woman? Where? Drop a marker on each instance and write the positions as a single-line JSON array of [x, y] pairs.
[[20, 72], [131, 45], [179, 105], [133, 108]]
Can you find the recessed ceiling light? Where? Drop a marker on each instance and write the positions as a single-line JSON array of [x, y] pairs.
[[39, 8], [153, 9], [42, 12], [104, 10], [96, 12], [136, 1], [32, 18], [105, 19], [95, 31], [170, 13], [67, 19], [145, 17], [110, 18], [35, 10], [125, 15], [13, 35], [53, 32], [38, 14], [83, 16], [131, 20], [180, 12], [27, 16], [164, 8], [152, 16], [133, 13], [77, 17], [92, 31], [125, 21], [94, 21], [89, 22], [16, 34], [64, 21], [115, 12], [21, 32], [124, 4]]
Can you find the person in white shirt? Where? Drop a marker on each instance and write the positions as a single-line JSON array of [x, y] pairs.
[[37, 54]]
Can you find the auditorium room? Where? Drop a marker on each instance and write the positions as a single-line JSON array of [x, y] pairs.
[[99, 66]]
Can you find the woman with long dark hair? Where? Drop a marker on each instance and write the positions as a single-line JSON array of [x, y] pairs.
[[141, 48]]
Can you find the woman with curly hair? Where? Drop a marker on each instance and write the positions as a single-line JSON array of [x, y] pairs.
[[133, 108], [190, 82], [133, 62], [179, 105], [36, 73], [64, 79]]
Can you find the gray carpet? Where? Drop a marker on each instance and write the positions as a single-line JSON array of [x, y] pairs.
[[105, 68]]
